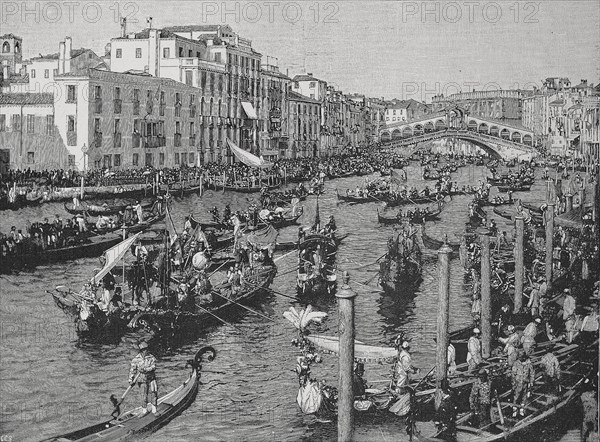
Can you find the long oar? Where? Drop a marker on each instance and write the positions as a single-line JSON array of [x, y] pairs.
[[217, 317], [117, 411], [273, 291], [243, 306]]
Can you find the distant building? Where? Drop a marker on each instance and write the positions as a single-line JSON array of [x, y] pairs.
[[303, 129], [274, 113], [495, 104]]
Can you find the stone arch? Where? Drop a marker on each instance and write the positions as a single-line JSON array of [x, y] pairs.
[[418, 129], [5, 47], [472, 125], [440, 125], [407, 132], [396, 133], [528, 140], [385, 136], [483, 129], [494, 131], [428, 127], [505, 134], [516, 137], [17, 47]]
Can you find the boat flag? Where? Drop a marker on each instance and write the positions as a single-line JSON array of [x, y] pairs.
[[114, 255]]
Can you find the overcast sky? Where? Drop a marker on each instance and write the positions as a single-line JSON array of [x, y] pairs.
[[380, 48]]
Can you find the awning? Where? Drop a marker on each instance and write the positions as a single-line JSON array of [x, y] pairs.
[[362, 351], [249, 110]]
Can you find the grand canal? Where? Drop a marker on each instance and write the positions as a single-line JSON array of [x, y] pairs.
[[51, 382]]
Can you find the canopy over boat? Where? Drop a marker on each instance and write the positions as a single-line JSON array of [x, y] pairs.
[[262, 238], [362, 351], [113, 256], [573, 218], [247, 158]]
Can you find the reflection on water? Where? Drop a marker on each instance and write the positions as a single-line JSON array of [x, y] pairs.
[[51, 382]]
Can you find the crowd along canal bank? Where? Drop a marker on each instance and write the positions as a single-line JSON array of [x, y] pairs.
[[55, 381]]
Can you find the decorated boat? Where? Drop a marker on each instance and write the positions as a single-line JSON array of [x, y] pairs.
[[401, 266], [104, 209], [316, 265], [514, 188], [413, 217], [132, 423]]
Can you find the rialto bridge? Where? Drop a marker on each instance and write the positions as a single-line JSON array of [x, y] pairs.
[[495, 137]]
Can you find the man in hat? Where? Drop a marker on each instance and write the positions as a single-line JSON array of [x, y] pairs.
[[451, 359], [503, 317], [523, 376], [569, 305], [143, 371], [543, 287], [534, 300], [510, 345], [474, 350], [481, 398], [529, 335], [139, 211], [551, 373], [402, 367]]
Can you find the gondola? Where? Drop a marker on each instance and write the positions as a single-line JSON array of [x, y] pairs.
[[316, 274], [133, 423], [97, 210], [507, 214], [517, 188], [360, 199], [168, 321], [416, 219], [86, 246], [241, 189], [20, 202], [401, 266], [346, 174], [416, 200], [435, 244]]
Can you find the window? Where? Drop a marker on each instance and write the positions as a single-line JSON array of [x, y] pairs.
[[96, 124], [5, 47], [16, 122], [192, 129], [33, 73], [191, 158], [136, 95], [117, 160], [117, 93], [161, 159], [54, 72], [71, 93], [217, 57], [177, 127], [184, 158], [2, 123], [97, 92], [30, 124], [49, 124], [135, 159], [176, 158], [197, 54], [181, 52], [71, 161], [46, 73], [166, 52], [117, 125], [189, 78], [190, 52], [119, 53], [138, 52], [30, 157], [70, 123], [312, 96]]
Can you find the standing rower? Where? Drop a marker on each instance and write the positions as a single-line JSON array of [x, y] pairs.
[[143, 367]]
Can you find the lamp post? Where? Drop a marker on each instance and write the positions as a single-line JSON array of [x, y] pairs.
[[84, 149]]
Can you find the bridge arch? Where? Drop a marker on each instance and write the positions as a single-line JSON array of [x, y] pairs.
[[494, 131], [428, 127], [418, 129], [396, 133], [528, 140], [483, 129], [407, 132], [385, 137], [516, 137], [472, 125], [440, 125], [505, 134]]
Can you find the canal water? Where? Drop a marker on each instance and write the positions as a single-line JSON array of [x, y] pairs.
[[50, 382]]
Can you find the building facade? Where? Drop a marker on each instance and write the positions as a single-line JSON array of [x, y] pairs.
[[274, 113], [303, 125], [496, 104]]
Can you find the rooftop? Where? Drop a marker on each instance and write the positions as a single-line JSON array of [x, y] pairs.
[[7, 36], [294, 96], [196, 28], [74, 53], [305, 77], [26, 98]]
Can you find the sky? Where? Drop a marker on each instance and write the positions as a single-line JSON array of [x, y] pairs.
[[403, 49]]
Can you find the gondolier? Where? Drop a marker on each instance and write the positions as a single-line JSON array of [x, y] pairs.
[[143, 371], [402, 367]]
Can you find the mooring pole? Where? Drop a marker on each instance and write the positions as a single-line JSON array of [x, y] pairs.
[[549, 243], [486, 298], [441, 358], [519, 263], [345, 298], [569, 202]]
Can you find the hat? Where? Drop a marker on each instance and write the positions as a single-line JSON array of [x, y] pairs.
[[538, 320], [405, 344], [142, 345], [476, 331], [567, 290], [511, 328]]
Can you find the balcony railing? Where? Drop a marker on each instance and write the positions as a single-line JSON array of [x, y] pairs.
[[98, 105], [117, 106], [153, 141], [177, 140]]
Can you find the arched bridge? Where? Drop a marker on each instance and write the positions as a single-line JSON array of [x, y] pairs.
[[497, 138]]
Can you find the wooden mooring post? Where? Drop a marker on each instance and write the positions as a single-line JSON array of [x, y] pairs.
[[519, 263], [441, 358], [486, 298], [549, 243]]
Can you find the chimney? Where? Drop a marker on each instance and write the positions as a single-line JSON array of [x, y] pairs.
[[123, 27], [309, 74], [61, 58], [149, 21], [153, 49], [68, 48]]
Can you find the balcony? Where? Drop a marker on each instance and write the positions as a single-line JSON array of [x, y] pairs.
[[136, 139], [152, 141], [98, 139], [177, 140], [117, 140], [136, 108], [117, 106], [98, 106]]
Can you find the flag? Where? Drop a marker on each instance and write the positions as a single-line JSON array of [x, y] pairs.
[[396, 177]]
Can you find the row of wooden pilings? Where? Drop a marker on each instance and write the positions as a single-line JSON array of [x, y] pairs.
[[346, 330]]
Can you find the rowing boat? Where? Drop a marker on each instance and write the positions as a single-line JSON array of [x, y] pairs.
[[97, 210], [417, 218], [134, 422]]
